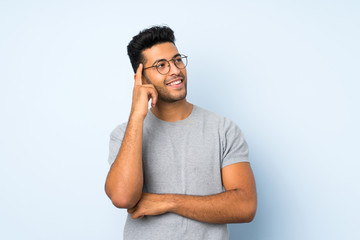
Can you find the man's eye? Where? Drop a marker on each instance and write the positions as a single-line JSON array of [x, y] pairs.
[[161, 65], [178, 60]]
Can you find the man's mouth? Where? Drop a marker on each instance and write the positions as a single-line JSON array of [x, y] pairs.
[[176, 83]]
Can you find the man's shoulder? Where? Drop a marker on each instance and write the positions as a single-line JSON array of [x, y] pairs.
[[204, 112], [210, 116], [119, 130]]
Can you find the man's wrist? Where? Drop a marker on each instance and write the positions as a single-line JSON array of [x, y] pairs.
[[136, 117], [172, 201]]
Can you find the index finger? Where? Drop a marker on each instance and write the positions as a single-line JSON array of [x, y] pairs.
[[138, 75]]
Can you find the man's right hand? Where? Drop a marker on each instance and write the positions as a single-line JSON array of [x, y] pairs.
[[142, 94]]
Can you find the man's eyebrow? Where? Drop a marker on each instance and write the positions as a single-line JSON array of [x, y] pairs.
[[163, 59]]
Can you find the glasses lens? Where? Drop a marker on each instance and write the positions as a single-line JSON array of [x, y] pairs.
[[163, 67], [180, 61]]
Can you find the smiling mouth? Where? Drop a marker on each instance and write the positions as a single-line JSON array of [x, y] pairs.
[[176, 81]]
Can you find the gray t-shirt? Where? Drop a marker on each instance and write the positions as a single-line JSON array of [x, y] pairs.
[[183, 157]]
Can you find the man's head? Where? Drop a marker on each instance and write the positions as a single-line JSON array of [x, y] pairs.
[[146, 39], [154, 48]]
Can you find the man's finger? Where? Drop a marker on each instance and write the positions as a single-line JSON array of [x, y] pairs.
[[136, 215], [138, 75], [154, 96]]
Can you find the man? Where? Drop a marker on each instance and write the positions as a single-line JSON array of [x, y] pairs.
[[171, 162]]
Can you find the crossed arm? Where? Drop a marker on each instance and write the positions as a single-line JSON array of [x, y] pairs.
[[236, 205]]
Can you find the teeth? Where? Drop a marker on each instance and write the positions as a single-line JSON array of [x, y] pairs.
[[176, 82]]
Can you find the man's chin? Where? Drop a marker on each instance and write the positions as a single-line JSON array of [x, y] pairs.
[[172, 99]]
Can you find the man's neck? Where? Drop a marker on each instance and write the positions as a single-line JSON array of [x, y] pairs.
[[172, 112]]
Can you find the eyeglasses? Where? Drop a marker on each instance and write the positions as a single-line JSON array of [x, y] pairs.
[[163, 66]]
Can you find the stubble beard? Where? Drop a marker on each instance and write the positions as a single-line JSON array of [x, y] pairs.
[[165, 96]]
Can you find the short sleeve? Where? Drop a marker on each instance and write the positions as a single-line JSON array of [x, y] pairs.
[[116, 138], [235, 148]]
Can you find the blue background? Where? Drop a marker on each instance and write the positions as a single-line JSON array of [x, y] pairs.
[[287, 72]]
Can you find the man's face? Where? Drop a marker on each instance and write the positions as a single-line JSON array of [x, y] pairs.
[[167, 92]]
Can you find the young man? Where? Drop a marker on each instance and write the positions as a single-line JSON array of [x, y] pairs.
[[171, 162]]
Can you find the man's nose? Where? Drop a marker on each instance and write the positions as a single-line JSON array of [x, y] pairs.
[[174, 70]]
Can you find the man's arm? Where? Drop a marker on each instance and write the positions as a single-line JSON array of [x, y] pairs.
[[124, 182], [236, 205]]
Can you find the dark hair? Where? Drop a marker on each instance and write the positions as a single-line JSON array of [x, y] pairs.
[[146, 39]]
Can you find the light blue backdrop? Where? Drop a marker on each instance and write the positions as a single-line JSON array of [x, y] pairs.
[[286, 72]]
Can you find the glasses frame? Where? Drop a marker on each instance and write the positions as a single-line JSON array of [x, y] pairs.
[[168, 61]]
